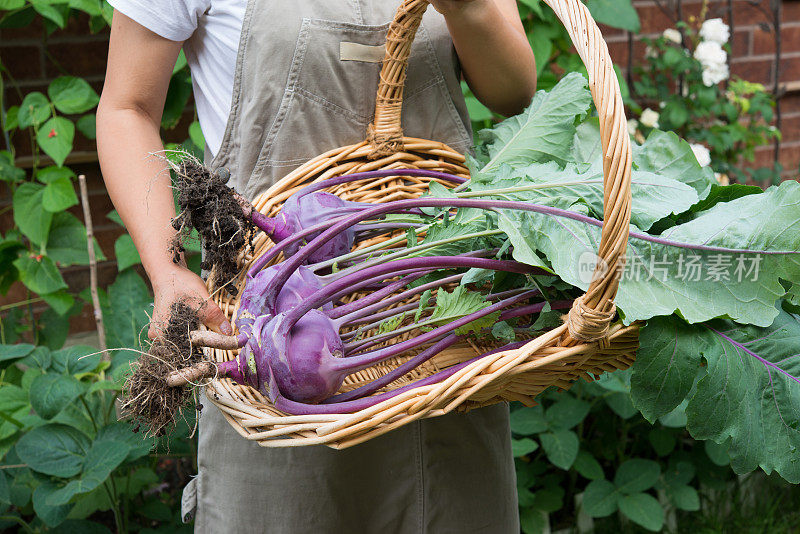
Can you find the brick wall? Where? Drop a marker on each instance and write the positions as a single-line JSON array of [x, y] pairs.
[[752, 57], [33, 61]]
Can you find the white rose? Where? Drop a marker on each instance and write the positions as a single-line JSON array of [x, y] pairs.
[[671, 34], [713, 74], [632, 125], [702, 154], [716, 31], [709, 53], [649, 118]]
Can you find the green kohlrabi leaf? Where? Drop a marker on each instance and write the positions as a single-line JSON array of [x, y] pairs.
[[654, 196], [666, 154], [544, 131], [699, 283], [459, 303], [749, 392], [664, 370]]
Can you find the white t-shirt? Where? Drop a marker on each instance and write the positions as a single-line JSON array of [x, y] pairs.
[[210, 31]]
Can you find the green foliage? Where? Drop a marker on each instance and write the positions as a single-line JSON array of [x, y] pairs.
[[731, 119], [66, 464]]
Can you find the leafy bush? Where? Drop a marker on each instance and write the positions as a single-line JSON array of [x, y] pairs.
[[64, 458], [680, 80]]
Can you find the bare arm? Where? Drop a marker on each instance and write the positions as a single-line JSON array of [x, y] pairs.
[[128, 120], [495, 55]]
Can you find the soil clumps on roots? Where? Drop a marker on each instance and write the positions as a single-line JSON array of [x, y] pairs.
[[146, 397], [209, 206]]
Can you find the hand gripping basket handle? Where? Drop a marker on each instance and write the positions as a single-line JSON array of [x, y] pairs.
[[591, 315]]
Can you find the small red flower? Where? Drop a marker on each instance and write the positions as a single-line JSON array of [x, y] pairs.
[[38, 257], [52, 133]]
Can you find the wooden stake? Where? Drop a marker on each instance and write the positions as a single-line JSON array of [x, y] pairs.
[[98, 312]]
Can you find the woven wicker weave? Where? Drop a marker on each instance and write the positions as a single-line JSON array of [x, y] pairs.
[[587, 343]]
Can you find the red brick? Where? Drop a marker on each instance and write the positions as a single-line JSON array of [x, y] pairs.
[[23, 62], [790, 157], [609, 32], [619, 54], [654, 20], [753, 70], [78, 59], [790, 103], [790, 11], [764, 41], [790, 127], [746, 14], [790, 68], [741, 43]]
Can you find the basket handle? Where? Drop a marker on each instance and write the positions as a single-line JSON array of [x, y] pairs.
[[385, 133], [591, 315]]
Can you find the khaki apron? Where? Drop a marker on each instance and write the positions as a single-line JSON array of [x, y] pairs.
[[301, 88]]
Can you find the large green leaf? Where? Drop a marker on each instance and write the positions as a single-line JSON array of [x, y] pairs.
[[664, 370], [70, 95], [615, 13], [561, 447], [104, 456], [51, 392], [40, 275], [55, 138], [666, 154], [59, 193], [644, 510], [12, 352], [544, 131], [67, 242], [637, 475], [588, 466], [29, 213], [52, 11], [126, 315], [13, 407], [523, 447], [34, 110], [654, 196], [123, 432], [749, 393], [601, 498], [8, 171], [51, 515], [567, 413], [54, 449], [76, 359], [526, 421], [661, 279]]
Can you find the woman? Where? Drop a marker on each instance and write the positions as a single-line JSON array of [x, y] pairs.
[[276, 84]]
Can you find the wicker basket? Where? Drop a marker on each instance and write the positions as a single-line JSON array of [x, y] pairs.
[[588, 343]]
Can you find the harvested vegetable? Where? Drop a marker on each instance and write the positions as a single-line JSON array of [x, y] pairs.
[[714, 271]]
